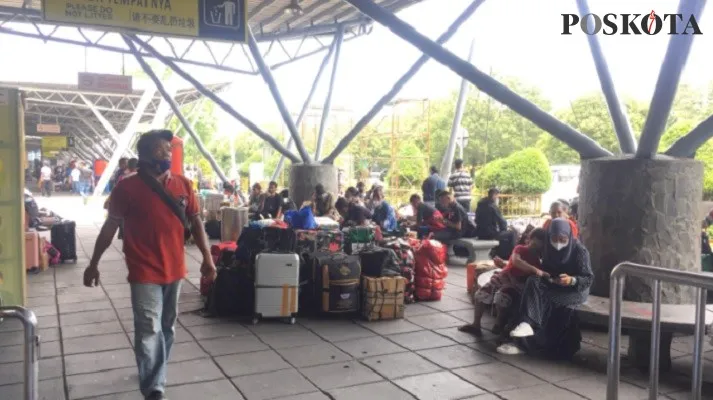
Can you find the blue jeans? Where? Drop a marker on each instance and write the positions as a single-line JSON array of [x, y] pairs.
[[155, 309]]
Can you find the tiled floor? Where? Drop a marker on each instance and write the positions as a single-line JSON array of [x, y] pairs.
[[87, 338]]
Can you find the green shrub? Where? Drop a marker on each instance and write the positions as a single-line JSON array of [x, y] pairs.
[[523, 172]]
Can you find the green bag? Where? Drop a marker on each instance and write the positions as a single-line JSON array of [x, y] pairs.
[[707, 262], [359, 234]]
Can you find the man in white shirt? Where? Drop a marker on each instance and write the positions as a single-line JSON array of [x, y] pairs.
[[75, 180], [46, 180]]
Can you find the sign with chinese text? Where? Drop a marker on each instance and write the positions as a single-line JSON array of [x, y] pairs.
[[53, 144], [48, 128], [91, 82], [206, 19]]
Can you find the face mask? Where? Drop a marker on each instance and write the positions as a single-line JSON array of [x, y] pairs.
[[162, 165], [497, 202], [559, 246]]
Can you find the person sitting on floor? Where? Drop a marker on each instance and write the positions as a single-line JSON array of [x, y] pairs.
[[353, 214], [383, 215], [455, 218], [505, 287], [271, 206], [558, 209], [323, 203], [547, 301]]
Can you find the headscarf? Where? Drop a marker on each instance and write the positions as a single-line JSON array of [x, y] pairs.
[[553, 259]]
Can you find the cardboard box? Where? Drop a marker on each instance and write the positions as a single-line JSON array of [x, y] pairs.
[[383, 298]]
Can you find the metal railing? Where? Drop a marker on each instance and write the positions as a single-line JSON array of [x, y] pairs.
[[32, 343], [702, 281]]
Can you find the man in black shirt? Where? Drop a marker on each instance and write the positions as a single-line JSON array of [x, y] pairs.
[[490, 225], [272, 203], [458, 225], [353, 214]]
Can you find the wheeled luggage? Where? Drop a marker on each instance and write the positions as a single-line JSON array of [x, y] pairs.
[[232, 294], [358, 238], [223, 253], [212, 229], [378, 262], [383, 298], [319, 241], [276, 286], [32, 254], [336, 282], [232, 222], [64, 238]]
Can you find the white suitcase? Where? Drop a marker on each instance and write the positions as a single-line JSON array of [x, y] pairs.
[[233, 221], [277, 278]]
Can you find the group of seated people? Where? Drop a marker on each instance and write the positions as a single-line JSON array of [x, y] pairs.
[[538, 289]]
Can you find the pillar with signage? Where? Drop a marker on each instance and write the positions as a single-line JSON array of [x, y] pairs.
[[12, 207]]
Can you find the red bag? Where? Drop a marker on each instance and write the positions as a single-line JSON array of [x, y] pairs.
[[431, 270], [435, 222], [217, 250]]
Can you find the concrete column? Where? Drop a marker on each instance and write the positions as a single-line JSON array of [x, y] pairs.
[[304, 177], [643, 211]]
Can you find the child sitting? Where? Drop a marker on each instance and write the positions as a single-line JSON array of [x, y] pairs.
[[507, 285]]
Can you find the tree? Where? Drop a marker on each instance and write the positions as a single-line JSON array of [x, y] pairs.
[[523, 172]]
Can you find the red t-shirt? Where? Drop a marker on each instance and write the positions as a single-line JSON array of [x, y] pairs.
[[527, 255], [154, 244]]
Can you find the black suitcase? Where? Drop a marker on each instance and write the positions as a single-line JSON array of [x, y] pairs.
[[232, 293], [63, 236], [212, 229], [378, 262], [336, 278], [279, 240]]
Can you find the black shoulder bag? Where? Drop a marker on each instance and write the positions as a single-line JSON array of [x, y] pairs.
[[179, 211]]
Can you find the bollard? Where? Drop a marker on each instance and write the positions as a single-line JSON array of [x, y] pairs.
[[32, 343]]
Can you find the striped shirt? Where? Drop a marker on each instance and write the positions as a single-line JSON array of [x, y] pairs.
[[462, 185]]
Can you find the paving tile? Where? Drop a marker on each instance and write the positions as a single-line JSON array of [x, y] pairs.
[[391, 327], [193, 371], [373, 346], [497, 376], [251, 363], [88, 317], [318, 354], [283, 340], [40, 301], [186, 351], [85, 363], [274, 326], [44, 311], [341, 331], [51, 389], [438, 386], [464, 315], [81, 307], [112, 341], [420, 340], [413, 310], [548, 370], [192, 319], [217, 330], [379, 390], [215, 390], [11, 354], [263, 386], [48, 321], [230, 345], [435, 321], [595, 386], [456, 356], [81, 295], [465, 338], [399, 365], [307, 396], [540, 391], [102, 383], [77, 331], [449, 304], [121, 303], [340, 375], [14, 372], [18, 337]]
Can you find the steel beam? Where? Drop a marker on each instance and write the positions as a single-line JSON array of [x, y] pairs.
[[220, 102], [338, 39], [270, 81], [124, 140], [688, 145], [457, 119], [679, 47], [389, 96], [96, 142], [585, 146], [193, 117], [305, 106], [102, 119], [164, 109], [175, 108], [627, 142]]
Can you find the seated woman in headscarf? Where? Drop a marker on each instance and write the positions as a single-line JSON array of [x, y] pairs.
[[548, 304], [383, 214]]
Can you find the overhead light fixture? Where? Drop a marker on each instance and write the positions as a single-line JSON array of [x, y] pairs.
[[294, 8]]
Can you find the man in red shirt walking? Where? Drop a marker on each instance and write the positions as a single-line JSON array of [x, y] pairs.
[[153, 246]]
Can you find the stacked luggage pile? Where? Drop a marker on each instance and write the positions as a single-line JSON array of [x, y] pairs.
[[275, 270]]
